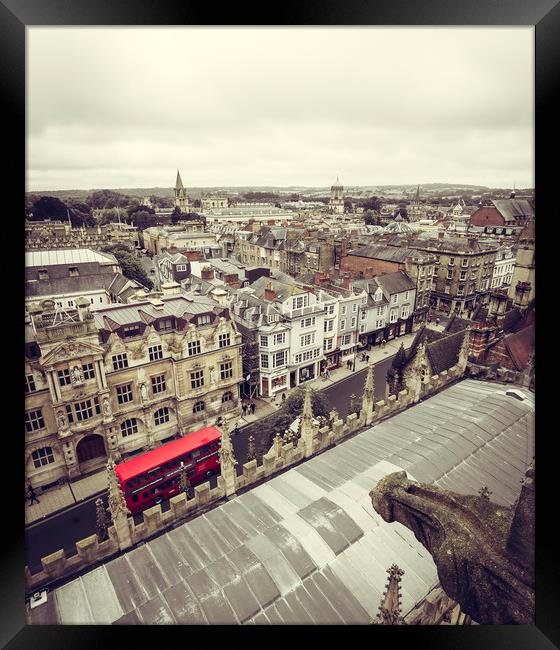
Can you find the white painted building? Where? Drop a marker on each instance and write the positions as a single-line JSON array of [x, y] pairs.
[[503, 268]]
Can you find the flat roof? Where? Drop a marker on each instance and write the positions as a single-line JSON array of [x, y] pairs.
[[307, 546]]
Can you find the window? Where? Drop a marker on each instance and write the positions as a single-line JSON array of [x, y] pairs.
[[464, 262], [460, 290], [394, 315], [224, 340], [193, 347], [353, 322], [69, 413], [29, 384], [307, 339], [307, 322], [406, 295], [89, 372], [83, 410], [161, 416], [343, 324], [43, 456], [43, 274], [129, 427], [73, 271], [124, 393], [280, 338], [449, 275], [120, 361], [279, 359], [404, 311], [264, 360], [346, 339], [330, 309], [165, 325], [155, 352], [64, 377], [34, 420], [204, 319], [264, 341], [395, 298], [378, 324], [198, 406], [300, 301], [354, 307], [363, 315], [131, 330], [197, 379], [329, 325], [451, 261], [343, 310], [158, 384], [181, 267], [327, 344], [226, 370], [463, 275], [379, 311], [227, 397]]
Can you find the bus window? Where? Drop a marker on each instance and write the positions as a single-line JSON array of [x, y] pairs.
[[195, 453], [135, 497], [146, 494]]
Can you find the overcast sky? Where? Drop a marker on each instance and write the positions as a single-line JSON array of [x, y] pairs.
[[126, 107]]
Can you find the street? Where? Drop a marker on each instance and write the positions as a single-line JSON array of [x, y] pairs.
[[64, 529]]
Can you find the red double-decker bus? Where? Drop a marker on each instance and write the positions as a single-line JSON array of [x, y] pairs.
[[149, 478]]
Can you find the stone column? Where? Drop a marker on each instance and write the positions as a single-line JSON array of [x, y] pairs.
[[117, 508], [227, 462], [99, 375], [366, 413], [53, 386]]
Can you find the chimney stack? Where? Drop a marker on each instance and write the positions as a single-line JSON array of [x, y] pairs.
[[207, 273], [269, 293], [522, 292]]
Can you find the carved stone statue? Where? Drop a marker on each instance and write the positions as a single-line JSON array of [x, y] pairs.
[[61, 419], [212, 377], [143, 392], [77, 375], [106, 408], [483, 551]]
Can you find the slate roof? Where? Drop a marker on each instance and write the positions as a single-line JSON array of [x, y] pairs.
[[386, 253], [307, 546], [520, 345], [456, 324], [444, 353], [396, 282], [514, 209]]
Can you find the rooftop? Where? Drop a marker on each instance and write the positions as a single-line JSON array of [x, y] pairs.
[[67, 256], [307, 546]]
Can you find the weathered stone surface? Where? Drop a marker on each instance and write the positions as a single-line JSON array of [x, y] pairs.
[[472, 542]]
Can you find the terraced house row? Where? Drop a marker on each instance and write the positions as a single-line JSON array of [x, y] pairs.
[[119, 380]]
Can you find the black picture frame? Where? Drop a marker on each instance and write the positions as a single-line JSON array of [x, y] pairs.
[[15, 16]]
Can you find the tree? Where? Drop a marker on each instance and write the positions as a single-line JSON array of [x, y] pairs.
[[131, 267], [372, 203], [49, 207], [101, 199], [348, 206], [197, 203], [101, 521], [143, 219], [81, 214], [184, 483], [133, 209], [371, 219], [176, 215]]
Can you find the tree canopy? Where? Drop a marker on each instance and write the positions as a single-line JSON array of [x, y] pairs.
[[101, 199], [143, 219], [48, 207], [131, 267], [372, 203]]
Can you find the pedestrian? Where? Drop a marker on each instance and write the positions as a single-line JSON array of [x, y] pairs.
[[31, 495], [244, 409], [253, 408], [283, 397], [236, 430], [367, 358]]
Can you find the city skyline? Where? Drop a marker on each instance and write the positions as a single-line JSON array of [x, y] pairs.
[[122, 107]]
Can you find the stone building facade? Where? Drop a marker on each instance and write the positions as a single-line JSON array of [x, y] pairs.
[[121, 380]]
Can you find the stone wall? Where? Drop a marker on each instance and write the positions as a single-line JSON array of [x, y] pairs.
[[281, 456]]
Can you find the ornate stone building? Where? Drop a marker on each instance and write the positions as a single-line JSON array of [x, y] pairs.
[[336, 202], [124, 379], [181, 199]]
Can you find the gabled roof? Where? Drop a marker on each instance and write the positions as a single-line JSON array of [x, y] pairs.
[[386, 253], [520, 345], [396, 282], [444, 353], [514, 209]]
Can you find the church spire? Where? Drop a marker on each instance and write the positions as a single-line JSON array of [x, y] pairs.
[[390, 607], [179, 182]]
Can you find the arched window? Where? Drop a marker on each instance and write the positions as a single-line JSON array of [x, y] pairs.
[[129, 427], [43, 456], [227, 396], [161, 416], [198, 406]]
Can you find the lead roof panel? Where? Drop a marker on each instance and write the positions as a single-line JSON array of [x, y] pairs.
[[308, 546]]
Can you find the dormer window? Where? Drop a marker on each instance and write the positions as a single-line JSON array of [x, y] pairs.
[[165, 325], [204, 319], [73, 271], [130, 331]]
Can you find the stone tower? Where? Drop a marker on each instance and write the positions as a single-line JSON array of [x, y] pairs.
[[181, 198], [336, 202]]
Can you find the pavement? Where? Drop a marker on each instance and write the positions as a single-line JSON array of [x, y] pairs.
[[65, 496]]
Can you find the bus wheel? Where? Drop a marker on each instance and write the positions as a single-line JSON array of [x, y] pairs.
[[210, 472], [158, 500]]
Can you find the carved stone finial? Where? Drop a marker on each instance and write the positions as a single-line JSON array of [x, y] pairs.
[[390, 607], [368, 396], [227, 462], [117, 504]]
